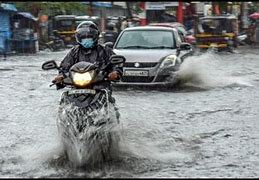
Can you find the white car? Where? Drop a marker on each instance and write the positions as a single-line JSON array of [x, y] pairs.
[[153, 55]]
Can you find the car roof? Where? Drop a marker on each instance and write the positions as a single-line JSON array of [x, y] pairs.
[[148, 28], [65, 17], [171, 24], [86, 17]]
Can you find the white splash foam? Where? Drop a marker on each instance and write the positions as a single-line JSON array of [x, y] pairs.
[[207, 71]]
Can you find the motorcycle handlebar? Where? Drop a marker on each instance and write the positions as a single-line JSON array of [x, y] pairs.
[[101, 77]]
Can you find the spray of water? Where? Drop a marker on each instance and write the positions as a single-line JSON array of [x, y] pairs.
[[207, 71], [87, 134]]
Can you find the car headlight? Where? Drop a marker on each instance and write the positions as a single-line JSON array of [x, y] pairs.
[[82, 79], [169, 61]]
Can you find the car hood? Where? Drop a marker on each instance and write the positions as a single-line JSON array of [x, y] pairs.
[[143, 55]]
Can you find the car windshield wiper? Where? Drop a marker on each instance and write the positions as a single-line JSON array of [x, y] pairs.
[[162, 47], [132, 47]]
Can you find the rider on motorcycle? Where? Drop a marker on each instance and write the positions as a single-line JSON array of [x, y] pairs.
[[89, 50]]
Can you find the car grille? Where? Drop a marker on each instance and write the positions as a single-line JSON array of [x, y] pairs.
[[142, 65], [140, 79]]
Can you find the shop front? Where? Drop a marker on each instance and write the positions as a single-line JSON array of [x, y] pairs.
[[6, 10], [24, 38]]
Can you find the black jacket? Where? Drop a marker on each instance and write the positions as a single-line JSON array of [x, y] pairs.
[[99, 54]]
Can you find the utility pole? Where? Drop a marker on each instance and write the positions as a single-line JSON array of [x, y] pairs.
[[215, 8], [129, 8], [244, 13], [143, 17], [180, 12], [90, 9]]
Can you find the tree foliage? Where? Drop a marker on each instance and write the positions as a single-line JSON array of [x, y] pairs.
[[52, 8]]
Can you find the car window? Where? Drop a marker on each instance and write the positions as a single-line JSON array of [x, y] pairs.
[[177, 38], [146, 39]]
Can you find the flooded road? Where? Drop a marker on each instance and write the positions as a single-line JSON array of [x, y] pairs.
[[206, 128]]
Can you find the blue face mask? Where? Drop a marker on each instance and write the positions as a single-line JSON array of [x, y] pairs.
[[87, 42]]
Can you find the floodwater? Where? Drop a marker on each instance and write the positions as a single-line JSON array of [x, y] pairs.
[[206, 128]]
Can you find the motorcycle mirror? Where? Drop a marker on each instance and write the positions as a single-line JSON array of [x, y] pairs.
[[117, 59], [185, 46], [49, 65]]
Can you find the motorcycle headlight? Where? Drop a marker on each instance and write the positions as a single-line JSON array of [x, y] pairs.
[[169, 61], [82, 79]]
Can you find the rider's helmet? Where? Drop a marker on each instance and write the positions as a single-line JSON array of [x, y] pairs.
[[110, 26], [86, 30]]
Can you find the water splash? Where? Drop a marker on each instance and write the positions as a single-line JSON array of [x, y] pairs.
[[86, 139], [208, 71]]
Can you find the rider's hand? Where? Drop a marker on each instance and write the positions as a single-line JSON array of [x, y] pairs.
[[58, 79], [114, 75]]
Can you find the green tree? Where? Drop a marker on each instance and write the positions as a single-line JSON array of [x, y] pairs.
[[52, 8]]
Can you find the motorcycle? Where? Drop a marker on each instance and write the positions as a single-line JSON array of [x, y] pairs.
[[55, 43], [87, 115]]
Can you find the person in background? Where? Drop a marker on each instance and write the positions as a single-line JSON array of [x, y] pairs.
[[110, 35], [130, 22], [124, 24]]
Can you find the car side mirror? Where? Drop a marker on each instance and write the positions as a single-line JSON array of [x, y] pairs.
[[185, 46], [117, 59], [49, 65], [109, 44]]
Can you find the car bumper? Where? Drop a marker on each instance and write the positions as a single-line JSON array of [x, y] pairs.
[[213, 45], [152, 85]]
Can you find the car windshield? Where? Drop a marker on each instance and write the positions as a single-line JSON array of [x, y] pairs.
[[146, 39], [65, 25], [217, 25]]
